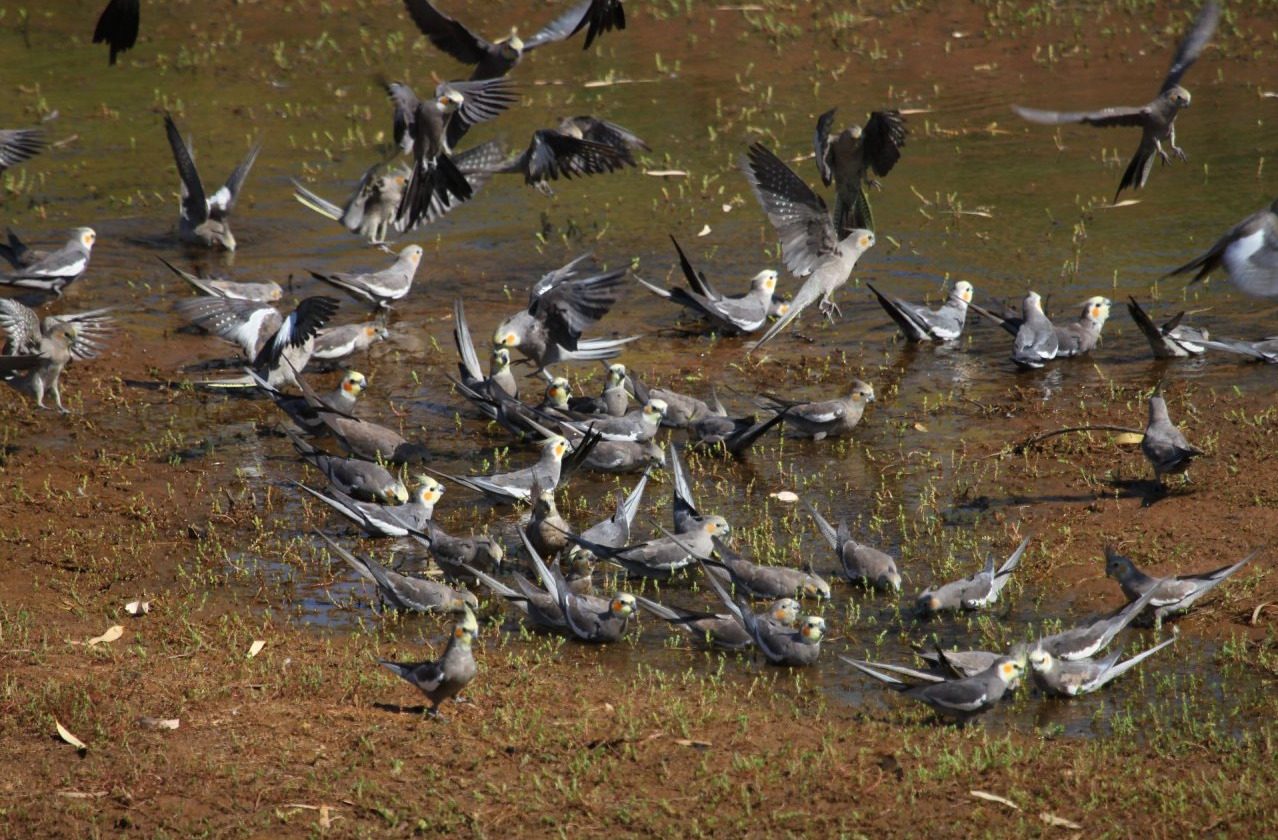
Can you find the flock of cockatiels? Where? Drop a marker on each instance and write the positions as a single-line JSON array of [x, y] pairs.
[[602, 433]]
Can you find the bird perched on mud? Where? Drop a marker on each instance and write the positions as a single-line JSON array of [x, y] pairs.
[[810, 245], [361, 480], [493, 60], [1164, 445], [849, 158], [972, 593], [1157, 120], [19, 144], [268, 292], [922, 324], [1083, 642], [560, 306], [1248, 251], [958, 699], [203, 219], [588, 617], [514, 487], [1173, 595], [1036, 341], [35, 351], [379, 287], [53, 272], [720, 630], [379, 520], [118, 26], [447, 676], [404, 593], [1033, 347], [580, 146], [781, 644], [731, 315], [860, 563], [825, 418], [430, 129], [1061, 678]]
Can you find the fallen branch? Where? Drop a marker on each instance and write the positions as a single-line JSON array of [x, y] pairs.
[[1042, 436]]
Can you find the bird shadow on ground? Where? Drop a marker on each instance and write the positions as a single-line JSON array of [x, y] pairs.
[[396, 709], [1149, 492]]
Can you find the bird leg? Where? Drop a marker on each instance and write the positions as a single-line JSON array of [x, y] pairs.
[[829, 308]]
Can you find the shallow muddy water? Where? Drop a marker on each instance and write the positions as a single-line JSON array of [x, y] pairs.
[[978, 195]]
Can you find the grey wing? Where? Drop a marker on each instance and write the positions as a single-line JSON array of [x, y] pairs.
[[561, 27], [882, 140], [404, 101], [21, 325], [447, 34], [481, 101], [240, 321], [610, 134], [800, 216], [821, 145], [19, 144], [696, 279], [1191, 46], [90, 329], [1104, 118], [194, 202], [569, 308]]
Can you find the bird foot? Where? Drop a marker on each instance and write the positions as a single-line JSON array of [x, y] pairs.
[[1179, 153], [830, 309], [874, 183]]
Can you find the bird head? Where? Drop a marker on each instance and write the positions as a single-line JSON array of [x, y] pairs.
[[545, 505], [449, 100], [765, 281], [962, 291], [864, 239], [491, 549], [559, 392], [1178, 96], [616, 375], [785, 611], [1040, 660], [716, 526], [353, 383], [654, 454], [506, 335], [412, 254], [1116, 565], [395, 494], [814, 587], [779, 308], [500, 359], [812, 628], [622, 605], [374, 332], [87, 237], [1033, 300], [1097, 308], [511, 47], [468, 625], [557, 445], [861, 391], [890, 580], [1010, 670], [927, 602], [429, 491], [655, 410]]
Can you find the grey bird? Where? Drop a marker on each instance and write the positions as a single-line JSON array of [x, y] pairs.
[[563, 152], [957, 664], [922, 324], [852, 158], [269, 292], [494, 60], [204, 218], [1263, 350], [681, 411], [381, 287], [1164, 445], [118, 25], [1157, 120], [20, 144], [638, 426], [959, 699], [1173, 340], [343, 398], [499, 372], [372, 210], [810, 245], [244, 323], [760, 581], [1062, 678], [779, 643], [859, 563], [660, 558], [560, 306], [972, 593], [1173, 595], [58, 269], [589, 618], [1037, 341], [623, 456], [824, 418], [612, 402], [404, 593], [287, 350], [1080, 337], [538, 606], [547, 530], [730, 315], [447, 676], [35, 351], [456, 554], [732, 435], [362, 438], [720, 630], [361, 480], [379, 520], [431, 128], [1248, 252], [336, 343], [1083, 642], [614, 532], [514, 487]]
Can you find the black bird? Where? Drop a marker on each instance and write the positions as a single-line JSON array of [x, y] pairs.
[[118, 26], [849, 158]]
